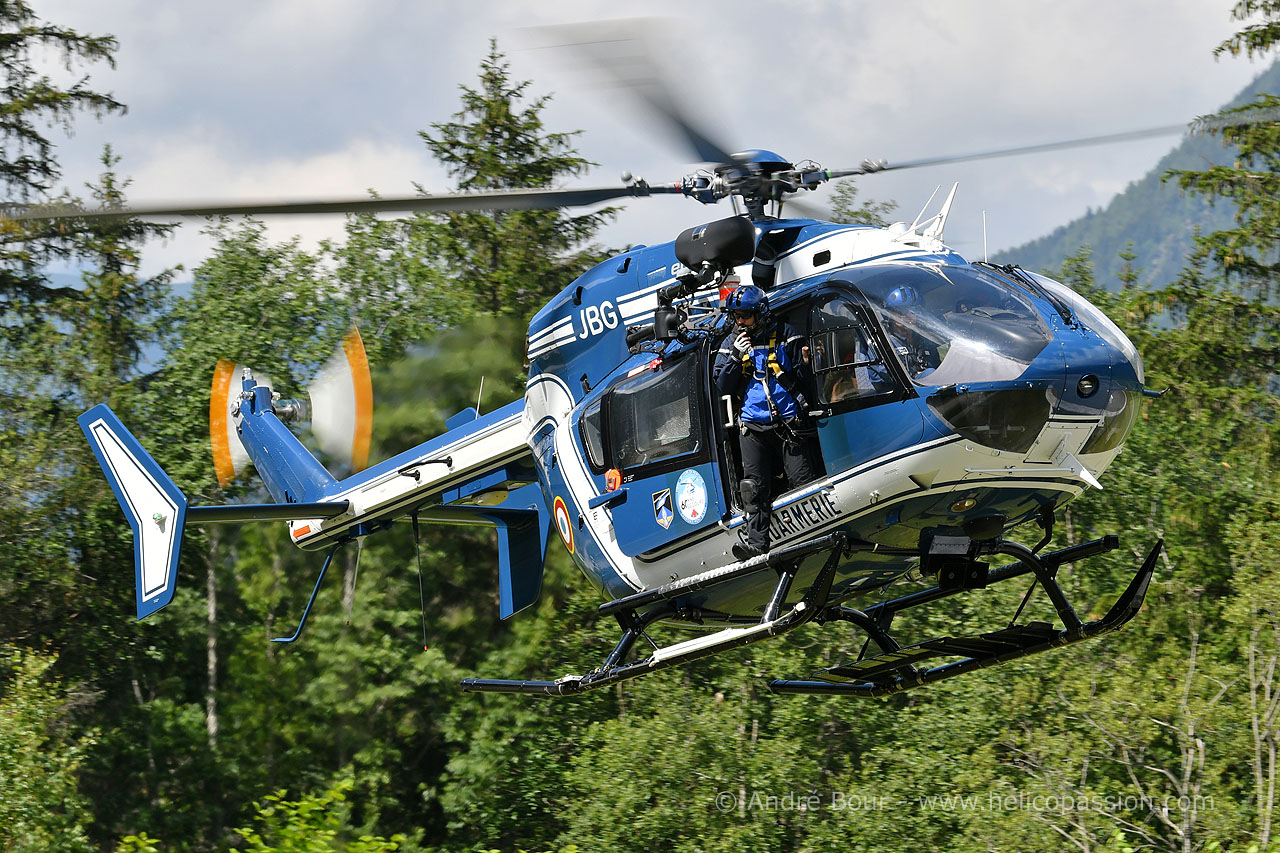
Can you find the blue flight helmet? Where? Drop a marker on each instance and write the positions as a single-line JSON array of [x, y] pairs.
[[749, 299], [902, 298]]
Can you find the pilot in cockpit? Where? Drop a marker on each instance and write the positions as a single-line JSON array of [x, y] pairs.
[[904, 314]]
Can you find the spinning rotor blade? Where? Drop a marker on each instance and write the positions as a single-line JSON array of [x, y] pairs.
[[872, 166], [625, 52], [497, 200], [342, 404], [805, 209], [1199, 126]]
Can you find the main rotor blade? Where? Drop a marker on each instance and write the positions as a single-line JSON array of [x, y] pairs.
[[625, 52], [805, 210], [872, 166], [1201, 125], [497, 200]]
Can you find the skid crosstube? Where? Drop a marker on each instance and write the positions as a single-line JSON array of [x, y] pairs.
[[894, 670], [776, 620]]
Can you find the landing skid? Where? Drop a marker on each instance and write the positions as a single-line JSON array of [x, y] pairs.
[[891, 671], [662, 602], [894, 669]]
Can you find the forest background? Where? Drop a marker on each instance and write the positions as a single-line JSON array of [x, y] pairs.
[[192, 732]]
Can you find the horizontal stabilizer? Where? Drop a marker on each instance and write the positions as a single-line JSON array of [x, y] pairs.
[[238, 513], [156, 509]]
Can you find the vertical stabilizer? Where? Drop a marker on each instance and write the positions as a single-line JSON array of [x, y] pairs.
[[156, 509]]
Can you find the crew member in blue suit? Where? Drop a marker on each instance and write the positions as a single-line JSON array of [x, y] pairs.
[[762, 364]]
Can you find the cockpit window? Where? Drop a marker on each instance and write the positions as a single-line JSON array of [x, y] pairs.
[[954, 324], [846, 362], [655, 416]]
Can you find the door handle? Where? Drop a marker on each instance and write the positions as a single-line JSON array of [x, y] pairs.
[[608, 499]]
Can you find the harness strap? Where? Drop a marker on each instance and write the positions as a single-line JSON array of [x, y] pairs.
[[784, 379]]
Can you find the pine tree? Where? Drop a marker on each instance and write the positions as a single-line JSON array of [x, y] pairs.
[[39, 389], [28, 166], [511, 261]]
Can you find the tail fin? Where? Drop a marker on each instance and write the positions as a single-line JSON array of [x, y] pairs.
[[156, 509]]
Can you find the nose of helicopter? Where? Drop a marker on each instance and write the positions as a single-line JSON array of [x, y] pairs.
[[1103, 371], [1079, 396], [1102, 392]]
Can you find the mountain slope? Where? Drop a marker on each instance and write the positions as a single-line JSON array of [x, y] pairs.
[[1157, 217]]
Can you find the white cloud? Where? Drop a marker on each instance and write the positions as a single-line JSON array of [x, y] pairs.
[[299, 97]]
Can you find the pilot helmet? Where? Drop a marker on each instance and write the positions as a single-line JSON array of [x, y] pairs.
[[902, 298], [748, 299]]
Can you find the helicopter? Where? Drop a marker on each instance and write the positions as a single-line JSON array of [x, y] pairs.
[[622, 449]]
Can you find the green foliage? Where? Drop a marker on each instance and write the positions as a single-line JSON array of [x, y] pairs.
[[41, 808], [845, 207], [509, 262], [313, 823], [1258, 38], [59, 522], [140, 843], [45, 363], [28, 168]]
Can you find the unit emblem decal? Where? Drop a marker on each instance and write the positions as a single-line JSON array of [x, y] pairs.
[[662, 510], [691, 496]]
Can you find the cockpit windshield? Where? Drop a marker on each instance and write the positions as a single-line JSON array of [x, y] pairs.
[[954, 324]]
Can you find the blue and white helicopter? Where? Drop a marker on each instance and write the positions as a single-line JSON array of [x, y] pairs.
[[622, 450]]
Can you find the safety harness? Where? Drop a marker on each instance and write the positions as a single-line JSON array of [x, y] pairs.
[[784, 379]]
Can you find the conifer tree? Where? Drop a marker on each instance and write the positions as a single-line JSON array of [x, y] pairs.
[[511, 261], [28, 166]]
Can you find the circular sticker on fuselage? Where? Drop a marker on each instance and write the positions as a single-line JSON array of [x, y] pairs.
[[563, 525], [691, 497]]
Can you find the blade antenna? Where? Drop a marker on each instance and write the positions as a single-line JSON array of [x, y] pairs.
[[938, 221], [422, 601], [920, 216]]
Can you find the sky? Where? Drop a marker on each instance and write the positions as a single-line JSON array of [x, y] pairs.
[[318, 98]]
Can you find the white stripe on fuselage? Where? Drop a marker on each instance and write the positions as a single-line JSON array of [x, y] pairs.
[[559, 403]]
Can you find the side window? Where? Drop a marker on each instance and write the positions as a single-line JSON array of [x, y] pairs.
[[847, 364], [656, 416], [591, 426]]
